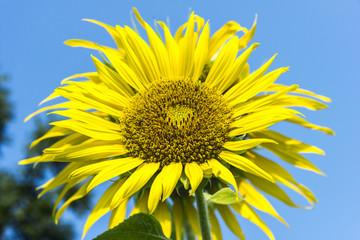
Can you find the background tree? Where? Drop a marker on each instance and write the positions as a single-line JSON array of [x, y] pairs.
[[22, 215], [5, 113]]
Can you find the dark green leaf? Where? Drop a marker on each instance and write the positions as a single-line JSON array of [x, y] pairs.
[[140, 226]]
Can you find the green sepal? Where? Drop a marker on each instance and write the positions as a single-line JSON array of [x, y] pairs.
[[238, 138], [185, 181], [224, 196]]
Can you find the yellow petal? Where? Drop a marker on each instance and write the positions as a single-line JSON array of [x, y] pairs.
[[223, 173], [132, 68], [230, 220], [281, 175], [100, 92], [80, 193], [222, 35], [179, 33], [111, 30], [247, 36], [256, 199], [187, 49], [222, 63], [244, 164], [297, 101], [195, 175], [307, 193], [172, 173], [70, 184], [88, 119], [30, 160], [53, 132], [119, 167], [127, 74], [60, 179], [272, 189], [141, 203], [255, 78], [262, 102], [159, 50], [142, 58], [112, 80], [162, 214], [246, 144], [118, 214], [250, 86], [185, 180], [245, 72], [50, 97], [293, 158], [207, 171], [260, 120], [200, 23], [236, 69], [92, 45], [93, 76], [302, 122], [102, 206], [172, 49], [247, 212], [96, 99], [279, 87], [60, 146], [156, 191], [138, 17], [71, 140], [201, 52], [59, 105], [91, 169], [291, 145], [88, 130], [135, 182]]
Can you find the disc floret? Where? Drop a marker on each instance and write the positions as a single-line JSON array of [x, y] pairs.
[[176, 121]]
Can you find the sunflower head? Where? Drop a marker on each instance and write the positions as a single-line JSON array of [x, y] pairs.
[[158, 116], [176, 121]]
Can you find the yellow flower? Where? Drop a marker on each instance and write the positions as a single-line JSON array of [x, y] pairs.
[[166, 115]]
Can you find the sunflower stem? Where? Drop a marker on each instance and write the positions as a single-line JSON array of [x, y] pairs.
[[203, 211]]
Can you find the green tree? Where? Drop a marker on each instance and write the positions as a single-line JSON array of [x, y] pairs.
[[22, 215], [25, 217], [37, 175], [5, 112]]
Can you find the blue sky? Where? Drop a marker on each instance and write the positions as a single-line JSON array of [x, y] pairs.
[[317, 39]]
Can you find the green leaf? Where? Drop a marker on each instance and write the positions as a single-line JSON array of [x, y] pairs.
[[141, 226], [223, 196]]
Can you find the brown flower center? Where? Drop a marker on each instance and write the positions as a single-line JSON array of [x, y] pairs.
[[176, 121]]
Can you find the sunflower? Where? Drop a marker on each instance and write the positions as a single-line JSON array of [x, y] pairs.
[[159, 117]]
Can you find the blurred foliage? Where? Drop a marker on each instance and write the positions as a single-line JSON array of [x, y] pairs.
[[42, 171], [5, 108], [22, 215]]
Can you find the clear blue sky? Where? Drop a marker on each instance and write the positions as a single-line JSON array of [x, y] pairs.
[[318, 39]]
